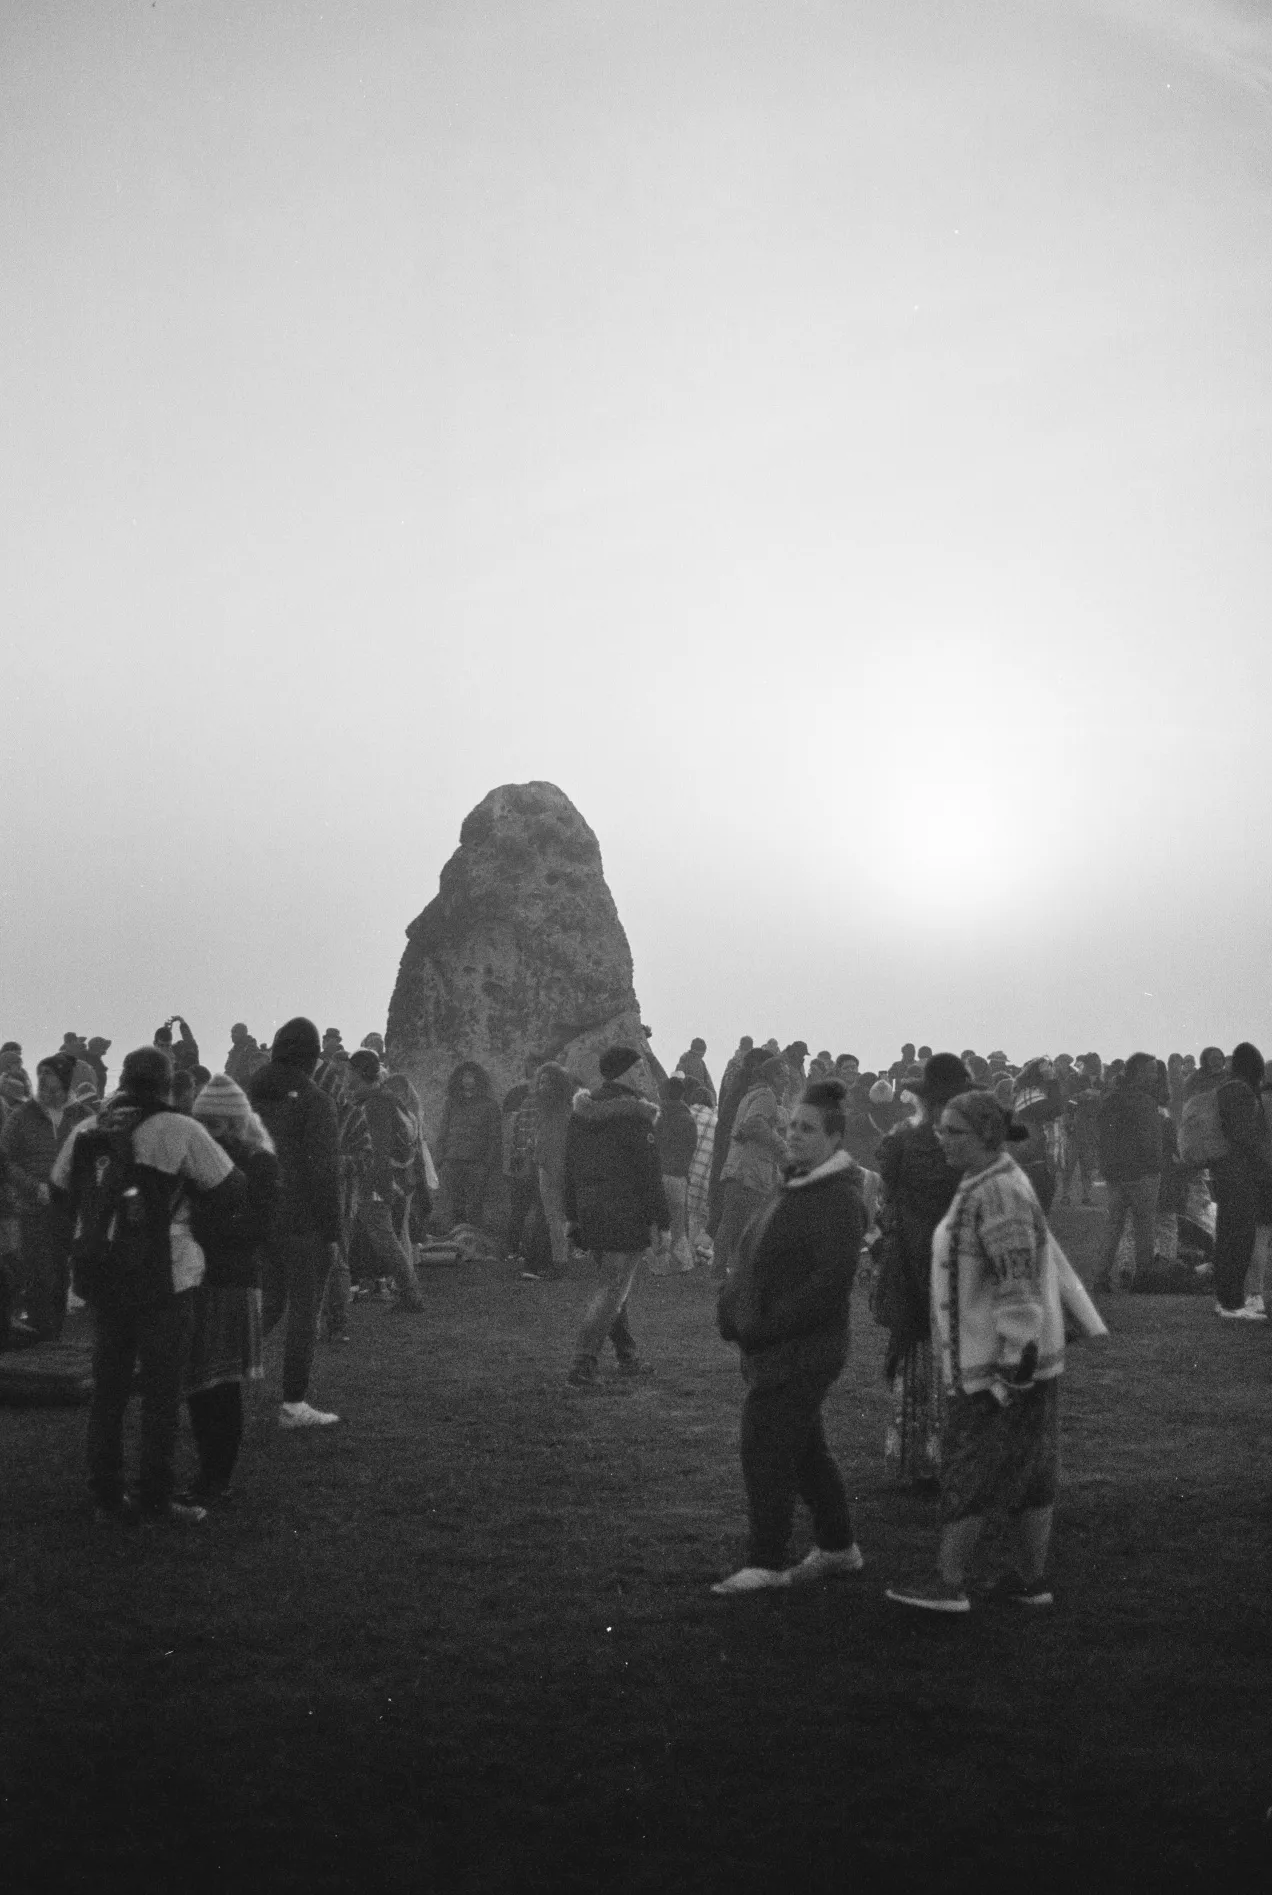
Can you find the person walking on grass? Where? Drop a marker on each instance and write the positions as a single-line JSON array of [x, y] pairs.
[[1130, 1134], [676, 1136], [756, 1154], [615, 1204], [785, 1303], [393, 1134], [1000, 1330], [1242, 1181], [301, 1120]]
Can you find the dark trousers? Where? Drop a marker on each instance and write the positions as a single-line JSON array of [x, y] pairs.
[[784, 1453], [1236, 1215], [216, 1420], [523, 1192], [463, 1191], [391, 1255], [293, 1277], [158, 1340], [46, 1269]]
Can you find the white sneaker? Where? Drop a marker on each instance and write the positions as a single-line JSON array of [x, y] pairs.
[[301, 1415], [1243, 1315], [821, 1564], [752, 1579]]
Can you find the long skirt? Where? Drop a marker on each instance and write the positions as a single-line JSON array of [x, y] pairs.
[[227, 1339], [912, 1444]]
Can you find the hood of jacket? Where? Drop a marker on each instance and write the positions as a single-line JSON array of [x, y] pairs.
[[840, 1164], [611, 1102], [277, 1081]]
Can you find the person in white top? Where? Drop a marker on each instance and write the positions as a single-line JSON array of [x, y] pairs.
[[176, 1157]]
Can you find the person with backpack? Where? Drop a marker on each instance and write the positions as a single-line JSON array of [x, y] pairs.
[[1242, 1182], [226, 1347], [1130, 1143], [305, 1238], [130, 1179]]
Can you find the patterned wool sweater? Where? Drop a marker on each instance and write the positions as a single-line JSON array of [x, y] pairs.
[[995, 1288]]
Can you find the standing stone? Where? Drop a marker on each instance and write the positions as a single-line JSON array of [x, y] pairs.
[[521, 951]]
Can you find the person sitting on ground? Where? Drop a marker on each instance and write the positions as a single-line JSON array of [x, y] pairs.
[[143, 1320], [676, 1136], [785, 1303], [615, 1205], [225, 1350], [301, 1120], [1000, 1327]]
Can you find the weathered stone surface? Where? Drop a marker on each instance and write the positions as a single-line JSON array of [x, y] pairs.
[[520, 951]]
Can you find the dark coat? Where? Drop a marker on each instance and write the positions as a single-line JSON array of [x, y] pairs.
[[677, 1138], [918, 1188], [471, 1133], [613, 1189], [232, 1246], [786, 1303], [1130, 1134], [301, 1120], [1246, 1173]]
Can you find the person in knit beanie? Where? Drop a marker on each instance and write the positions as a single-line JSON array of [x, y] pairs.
[[226, 1347]]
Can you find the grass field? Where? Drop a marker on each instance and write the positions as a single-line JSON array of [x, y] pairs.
[[465, 1642]]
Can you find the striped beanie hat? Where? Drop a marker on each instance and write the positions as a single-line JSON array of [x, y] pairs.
[[221, 1099]]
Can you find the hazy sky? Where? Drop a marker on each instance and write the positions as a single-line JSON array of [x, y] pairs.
[[830, 441]]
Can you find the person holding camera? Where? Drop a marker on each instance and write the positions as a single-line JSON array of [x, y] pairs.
[[999, 1325]]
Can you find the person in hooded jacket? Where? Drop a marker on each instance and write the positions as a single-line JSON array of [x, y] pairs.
[[469, 1148], [33, 1137], [305, 1238], [785, 1303], [615, 1202]]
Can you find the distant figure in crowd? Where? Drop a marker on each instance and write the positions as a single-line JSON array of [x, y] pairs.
[[1211, 1071], [83, 1075], [731, 1097], [147, 1323], [96, 1058], [734, 1066], [393, 1148], [225, 1350], [615, 1205], [301, 1121], [1037, 1104], [918, 1189], [520, 1112], [697, 1196], [1242, 1181], [417, 1181], [333, 1047], [1130, 1143], [34, 1135], [757, 1151], [1082, 1160], [900, 1067], [785, 1304], [469, 1145], [676, 1136], [184, 1051], [694, 1066], [1000, 1327], [554, 1095], [795, 1055], [374, 1042], [245, 1057]]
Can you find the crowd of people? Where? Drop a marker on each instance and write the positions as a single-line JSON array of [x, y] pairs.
[[195, 1212]]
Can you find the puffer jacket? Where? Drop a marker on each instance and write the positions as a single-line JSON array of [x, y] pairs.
[[613, 1189], [786, 1302]]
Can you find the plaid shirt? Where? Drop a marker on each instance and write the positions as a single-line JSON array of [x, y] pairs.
[[705, 1118]]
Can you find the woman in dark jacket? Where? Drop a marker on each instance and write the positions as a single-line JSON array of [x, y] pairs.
[[918, 1188], [785, 1303], [226, 1350], [33, 1136]]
